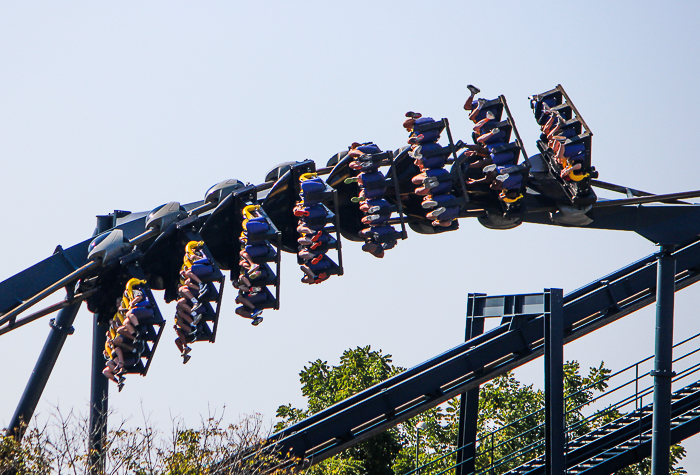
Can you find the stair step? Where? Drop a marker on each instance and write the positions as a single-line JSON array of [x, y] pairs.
[[629, 420]]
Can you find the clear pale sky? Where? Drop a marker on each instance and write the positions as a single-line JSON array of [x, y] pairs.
[[127, 105]]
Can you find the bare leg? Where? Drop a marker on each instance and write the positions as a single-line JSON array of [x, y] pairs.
[[184, 317], [184, 326], [107, 373], [182, 305], [181, 341], [481, 163], [418, 179], [179, 344], [480, 124], [244, 312], [110, 370], [483, 138], [193, 277], [488, 179], [119, 342], [567, 171], [124, 330], [120, 354], [184, 291], [246, 256], [559, 154], [443, 224], [470, 100], [244, 301], [244, 280], [132, 318]]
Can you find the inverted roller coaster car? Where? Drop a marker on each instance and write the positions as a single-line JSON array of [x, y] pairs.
[[565, 147]]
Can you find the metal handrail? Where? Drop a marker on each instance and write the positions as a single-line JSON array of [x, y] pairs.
[[585, 388], [639, 394]]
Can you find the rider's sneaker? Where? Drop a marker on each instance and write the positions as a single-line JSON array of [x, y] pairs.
[[435, 213]]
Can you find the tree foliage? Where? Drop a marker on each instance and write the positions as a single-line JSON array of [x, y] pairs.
[[324, 385]]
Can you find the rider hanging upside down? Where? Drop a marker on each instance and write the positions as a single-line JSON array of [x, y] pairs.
[[313, 235], [123, 345], [251, 297], [482, 157], [474, 106], [432, 181], [430, 159], [379, 236], [556, 132], [113, 369], [119, 355], [250, 300], [196, 266], [571, 157], [314, 270], [189, 309], [182, 341]]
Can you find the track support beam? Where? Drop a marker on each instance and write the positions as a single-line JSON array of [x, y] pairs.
[[663, 361], [99, 385], [554, 381], [99, 402], [61, 327], [469, 403]]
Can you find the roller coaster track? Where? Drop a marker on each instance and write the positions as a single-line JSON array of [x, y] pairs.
[[518, 340], [464, 367]]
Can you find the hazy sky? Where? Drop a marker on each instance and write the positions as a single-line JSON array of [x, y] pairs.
[[127, 105]]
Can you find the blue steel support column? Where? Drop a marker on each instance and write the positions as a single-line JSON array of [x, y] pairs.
[[554, 381], [99, 385], [469, 403], [61, 327], [663, 362]]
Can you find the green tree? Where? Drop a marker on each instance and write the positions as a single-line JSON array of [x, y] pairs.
[[325, 385], [30, 457]]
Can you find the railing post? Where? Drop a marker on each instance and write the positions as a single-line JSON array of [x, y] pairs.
[[663, 361], [638, 401], [469, 403], [554, 381], [641, 405], [417, 450], [636, 386]]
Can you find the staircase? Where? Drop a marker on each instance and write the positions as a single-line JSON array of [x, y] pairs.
[[626, 440]]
